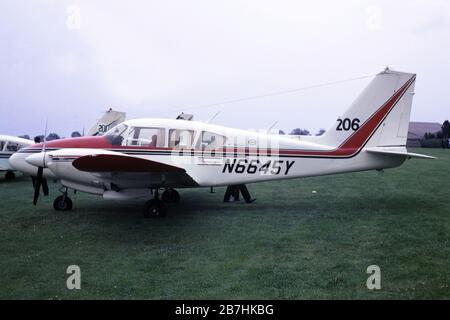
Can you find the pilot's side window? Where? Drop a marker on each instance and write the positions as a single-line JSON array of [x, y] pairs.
[[13, 147], [2, 145], [181, 138], [146, 137], [211, 140], [116, 134]]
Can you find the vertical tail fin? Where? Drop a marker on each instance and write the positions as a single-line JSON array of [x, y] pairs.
[[378, 117]]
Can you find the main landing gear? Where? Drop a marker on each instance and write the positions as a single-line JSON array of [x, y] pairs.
[[63, 202], [156, 207]]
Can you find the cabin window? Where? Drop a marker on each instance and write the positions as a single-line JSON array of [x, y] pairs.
[[181, 138], [211, 140], [116, 134], [146, 137], [13, 147]]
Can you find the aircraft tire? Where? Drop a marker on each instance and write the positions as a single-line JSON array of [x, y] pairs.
[[9, 175], [62, 203], [170, 196], [154, 208]]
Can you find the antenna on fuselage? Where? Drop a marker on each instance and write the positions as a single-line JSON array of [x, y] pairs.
[[271, 127], [213, 117]]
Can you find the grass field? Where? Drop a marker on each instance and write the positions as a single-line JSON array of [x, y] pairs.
[[290, 243]]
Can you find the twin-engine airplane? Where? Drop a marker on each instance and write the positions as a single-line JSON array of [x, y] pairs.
[[141, 157]]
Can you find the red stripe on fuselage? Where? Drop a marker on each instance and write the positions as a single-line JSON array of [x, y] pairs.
[[76, 143]]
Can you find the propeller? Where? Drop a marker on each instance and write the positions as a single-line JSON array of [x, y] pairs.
[[38, 160], [39, 182], [37, 185]]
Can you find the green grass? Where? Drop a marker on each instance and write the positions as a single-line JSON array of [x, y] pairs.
[[291, 243]]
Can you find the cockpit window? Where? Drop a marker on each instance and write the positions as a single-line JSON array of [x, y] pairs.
[[116, 134], [211, 140], [13, 147], [2, 145], [146, 137]]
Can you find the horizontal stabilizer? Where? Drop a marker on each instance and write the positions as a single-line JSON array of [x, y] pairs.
[[402, 152]]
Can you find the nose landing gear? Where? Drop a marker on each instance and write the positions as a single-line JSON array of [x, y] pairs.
[[63, 202]]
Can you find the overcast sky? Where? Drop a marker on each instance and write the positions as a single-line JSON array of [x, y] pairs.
[[69, 61]]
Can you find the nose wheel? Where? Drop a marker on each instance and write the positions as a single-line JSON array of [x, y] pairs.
[[63, 202]]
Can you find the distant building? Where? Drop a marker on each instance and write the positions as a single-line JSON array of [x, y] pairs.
[[417, 131]]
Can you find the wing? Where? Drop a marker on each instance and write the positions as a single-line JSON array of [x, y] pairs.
[[117, 167]]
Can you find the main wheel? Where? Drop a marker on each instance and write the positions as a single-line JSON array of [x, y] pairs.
[[170, 196], [9, 175], [154, 209], [62, 203]]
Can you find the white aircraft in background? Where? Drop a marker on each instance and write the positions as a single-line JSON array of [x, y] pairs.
[[141, 157], [9, 145]]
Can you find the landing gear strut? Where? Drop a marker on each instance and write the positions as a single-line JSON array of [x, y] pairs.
[[155, 208], [9, 175], [63, 202]]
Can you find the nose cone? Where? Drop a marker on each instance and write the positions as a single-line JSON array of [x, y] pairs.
[[36, 159], [17, 161]]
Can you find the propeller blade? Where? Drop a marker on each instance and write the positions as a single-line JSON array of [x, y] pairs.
[[37, 186], [45, 187]]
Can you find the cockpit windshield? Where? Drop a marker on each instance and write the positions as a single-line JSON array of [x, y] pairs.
[[116, 134]]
